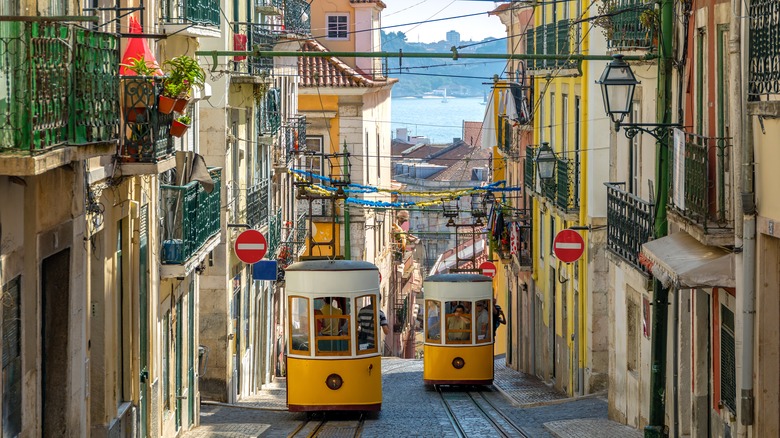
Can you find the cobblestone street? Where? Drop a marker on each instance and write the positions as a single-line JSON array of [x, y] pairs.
[[411, 410]]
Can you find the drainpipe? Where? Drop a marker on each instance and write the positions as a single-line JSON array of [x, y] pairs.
[[743, 141], [347, 223]]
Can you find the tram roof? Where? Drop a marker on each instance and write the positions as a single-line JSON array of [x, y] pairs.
[[457, 278], [332, 265]]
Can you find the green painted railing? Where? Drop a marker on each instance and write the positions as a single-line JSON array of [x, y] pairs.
[[763, 74], [630, 223], [257, 37], [296, 134], [297, 17], [274, 234], [552, 39], [59, 85], [269, 116], [704, 181], [147, 137], [567, 176], [623, 24], [190, 217], [529, 167], [203, 12], [257, 207]]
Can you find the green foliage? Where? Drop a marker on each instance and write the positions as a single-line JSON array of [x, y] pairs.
[[140, 66], [183, 74], [185, 119]]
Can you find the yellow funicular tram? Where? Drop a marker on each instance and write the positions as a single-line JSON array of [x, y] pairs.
[[333, 336], [458, 331]]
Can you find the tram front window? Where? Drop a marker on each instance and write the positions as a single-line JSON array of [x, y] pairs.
[[433, 321], [458, 322], [332, 317], [299, 324]]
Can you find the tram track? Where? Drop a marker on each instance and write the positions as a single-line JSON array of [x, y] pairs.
[[325, 424], [472, 414]]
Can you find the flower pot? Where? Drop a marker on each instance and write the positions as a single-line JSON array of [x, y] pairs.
[[180, 105], [178, 128], [165, 104], [136, 115]]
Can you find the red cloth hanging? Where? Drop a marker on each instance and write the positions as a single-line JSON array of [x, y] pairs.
[[137, 47]]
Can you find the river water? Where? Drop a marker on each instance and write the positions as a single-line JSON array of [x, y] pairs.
[[437, 120]]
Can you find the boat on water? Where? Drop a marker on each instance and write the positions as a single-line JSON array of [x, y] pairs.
[[444, 98]]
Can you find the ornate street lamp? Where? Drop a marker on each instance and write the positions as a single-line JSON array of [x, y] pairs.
[[545, 162], [617, 88]]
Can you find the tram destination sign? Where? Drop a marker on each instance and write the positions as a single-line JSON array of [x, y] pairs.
[[250, 246], [568, 246]]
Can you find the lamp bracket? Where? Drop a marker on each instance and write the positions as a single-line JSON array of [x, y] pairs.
[[659, 131]]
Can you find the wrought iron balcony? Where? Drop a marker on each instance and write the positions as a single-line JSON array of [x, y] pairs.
[[763, 76], [699, 189], [202, 12], [630, 223], [552, 39], [59, 86], [269, 112], [257, 207], [251, 36], [147, 137], [628, 24], [297, 17], [295, 134], [190, 217], [567, 176], [274, 238]]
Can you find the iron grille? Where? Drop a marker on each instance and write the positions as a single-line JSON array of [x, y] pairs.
[[630, 222], [763, 74]]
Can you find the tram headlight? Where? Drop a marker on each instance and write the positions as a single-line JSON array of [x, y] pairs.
[[458, 363], [334, 381]]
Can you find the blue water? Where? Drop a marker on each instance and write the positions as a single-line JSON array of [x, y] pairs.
[[439, 121]]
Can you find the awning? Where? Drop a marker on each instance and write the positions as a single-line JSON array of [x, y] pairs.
[[680, 260]]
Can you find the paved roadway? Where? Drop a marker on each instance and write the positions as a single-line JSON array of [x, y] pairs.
[[409, 410]]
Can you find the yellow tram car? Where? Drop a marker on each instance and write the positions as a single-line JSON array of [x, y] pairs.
[[333, 336], [458, 348]]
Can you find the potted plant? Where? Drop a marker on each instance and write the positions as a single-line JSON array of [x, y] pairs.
[[183, 73], [180, 125], [135, 93]]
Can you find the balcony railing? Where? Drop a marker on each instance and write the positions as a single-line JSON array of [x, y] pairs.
[[257, 207], [698, 181], [147, 137], [630, 223], [274, 233], [269, 117], [763, 74], [202, 12], [567, 190], [58, 85], [297, 17], [628, 24], [190, 218], [552, 39], [295, 134], [251, 36]]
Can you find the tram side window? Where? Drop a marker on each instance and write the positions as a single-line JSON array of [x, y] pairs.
[[458, 322], [482, 318], [332, 317], [367, 318], [433, 321], [299, 324]]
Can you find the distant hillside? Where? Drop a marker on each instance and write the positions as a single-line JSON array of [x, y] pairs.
[[461, 78]]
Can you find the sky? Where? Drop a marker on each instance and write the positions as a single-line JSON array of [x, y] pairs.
[[474, 28]]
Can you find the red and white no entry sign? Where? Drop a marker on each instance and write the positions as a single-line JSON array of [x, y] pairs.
[[488, 269], [250, 246], [568, 246]]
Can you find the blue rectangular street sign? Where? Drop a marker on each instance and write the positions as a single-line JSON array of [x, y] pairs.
[[264, 270]]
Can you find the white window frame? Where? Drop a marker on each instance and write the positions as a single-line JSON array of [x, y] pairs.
[[334, 27], [314, 157]]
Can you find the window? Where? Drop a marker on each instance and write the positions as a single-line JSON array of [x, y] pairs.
[[313, 160], [552, 121], [338, 26], [541, 119], [728, 364], [632, 332], [458, 322], [299, 325], [484, 328], [331, 316], [564, 124], [166, 361], [368, 315], [432, 321]]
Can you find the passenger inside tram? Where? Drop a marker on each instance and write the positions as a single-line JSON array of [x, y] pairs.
[[459, 324], [434, 323], [483, 320], [334, 334]]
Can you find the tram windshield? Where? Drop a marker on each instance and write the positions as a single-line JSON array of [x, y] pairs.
[[331, 315], [458, 322], [299, 324], [367, 318], [482, 318], [433, 321]]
